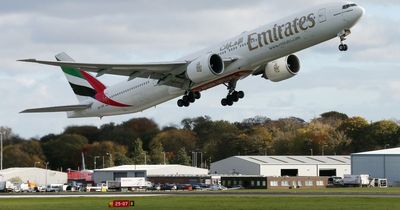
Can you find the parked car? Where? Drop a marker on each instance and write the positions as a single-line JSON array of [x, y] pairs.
[[217, 187], [335, 181], [184, 187], [54, 188], [155, 187], [168, 187]]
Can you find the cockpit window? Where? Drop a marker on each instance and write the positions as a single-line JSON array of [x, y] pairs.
[[349, 5]]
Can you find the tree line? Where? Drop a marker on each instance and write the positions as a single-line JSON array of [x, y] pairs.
[[141, 140]]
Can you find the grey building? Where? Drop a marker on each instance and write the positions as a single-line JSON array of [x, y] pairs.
[[378, 164], [113, 173], [283, 165]]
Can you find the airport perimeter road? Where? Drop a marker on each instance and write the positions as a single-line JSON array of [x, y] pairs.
[[204, 193]]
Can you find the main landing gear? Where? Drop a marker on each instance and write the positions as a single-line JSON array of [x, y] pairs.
[[233, 95], [342, 35], [188, 98], [232, 98]]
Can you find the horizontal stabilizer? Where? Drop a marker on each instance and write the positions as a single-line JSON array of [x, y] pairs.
[[58, 109]]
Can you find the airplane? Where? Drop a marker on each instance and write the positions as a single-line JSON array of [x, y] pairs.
[[266, 51]]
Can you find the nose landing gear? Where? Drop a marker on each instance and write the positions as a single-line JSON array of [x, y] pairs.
[[342, 35]]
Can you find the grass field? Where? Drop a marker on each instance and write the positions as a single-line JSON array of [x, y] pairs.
[[206, 202]]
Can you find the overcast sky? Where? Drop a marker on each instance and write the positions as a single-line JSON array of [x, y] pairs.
[[365, 81]]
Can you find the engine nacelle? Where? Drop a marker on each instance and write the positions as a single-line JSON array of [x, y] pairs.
[[205, 68], [283, 68]]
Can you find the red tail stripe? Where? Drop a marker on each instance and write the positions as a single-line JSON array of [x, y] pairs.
[[100, 87], [96, 84]]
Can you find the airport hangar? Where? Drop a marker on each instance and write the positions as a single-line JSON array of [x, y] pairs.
[[379, 164], [39, 176], [153, 173], [280, 166]]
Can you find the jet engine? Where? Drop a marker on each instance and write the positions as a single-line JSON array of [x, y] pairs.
[[282, 68], [205, 68]]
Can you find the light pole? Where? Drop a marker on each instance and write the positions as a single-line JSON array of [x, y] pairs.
[[1, 152], [311, 151], [47, 163], [201, 159], [103, 160], [164, 157], [110, 158], [322, 149], [95, 157], [34, 165]]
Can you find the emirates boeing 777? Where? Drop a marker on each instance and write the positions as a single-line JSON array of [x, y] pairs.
[[266, 51]]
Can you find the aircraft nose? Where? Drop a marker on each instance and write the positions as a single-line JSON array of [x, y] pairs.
[[360, 11]]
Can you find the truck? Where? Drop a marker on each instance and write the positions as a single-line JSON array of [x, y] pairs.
[[134, 182], [6, 186], [361, 180]]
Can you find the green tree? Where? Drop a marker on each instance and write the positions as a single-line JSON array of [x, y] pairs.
[[334, 115], [138, 154], [356, 129], [181, 157], [90, 132], [383, 133], [121, 159], [156, 152], [65, 151], [108, 149]]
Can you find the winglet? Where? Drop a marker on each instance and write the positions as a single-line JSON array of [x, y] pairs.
[[32, 60]]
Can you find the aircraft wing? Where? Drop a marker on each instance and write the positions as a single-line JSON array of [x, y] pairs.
[[168, 73], [58, 108]]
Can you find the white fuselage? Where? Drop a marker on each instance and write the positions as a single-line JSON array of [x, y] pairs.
[[251, 48]]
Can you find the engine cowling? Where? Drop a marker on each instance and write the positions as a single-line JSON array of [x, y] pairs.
[[282, 68], [205, 67]]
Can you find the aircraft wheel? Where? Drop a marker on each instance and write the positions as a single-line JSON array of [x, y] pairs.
[[240, 94], [191, 98], [186, 103], [235, 97], [345, 47], [230, 102], [224, 102], [197, 95], [180, 103]]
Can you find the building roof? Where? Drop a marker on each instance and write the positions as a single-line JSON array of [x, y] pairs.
[[25, 170], [391, 151], [297, 160], [159, 169]]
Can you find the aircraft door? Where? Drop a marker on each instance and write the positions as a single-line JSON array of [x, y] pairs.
[[322, 15]]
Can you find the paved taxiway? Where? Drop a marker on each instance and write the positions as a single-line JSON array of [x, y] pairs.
[[225, 193]]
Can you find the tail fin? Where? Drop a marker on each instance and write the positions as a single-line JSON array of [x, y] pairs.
[[83, 84]]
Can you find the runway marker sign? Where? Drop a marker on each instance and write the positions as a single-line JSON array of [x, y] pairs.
[[121, 203]]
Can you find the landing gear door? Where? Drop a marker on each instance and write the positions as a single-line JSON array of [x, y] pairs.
[[322, 15]]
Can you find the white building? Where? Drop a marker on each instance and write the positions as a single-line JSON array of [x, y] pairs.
[[113, 173], [378, 164], [39, 176], [283, 165]]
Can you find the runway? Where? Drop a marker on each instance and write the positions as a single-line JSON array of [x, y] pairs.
[[207, 193]]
